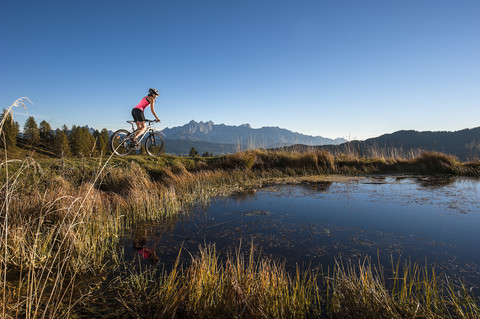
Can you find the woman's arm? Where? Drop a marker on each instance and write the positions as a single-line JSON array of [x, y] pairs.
[[152, 103]]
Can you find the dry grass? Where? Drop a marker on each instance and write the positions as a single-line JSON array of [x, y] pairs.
[[209, 288], [323, 162], [363, 291], [254, 287], [58, 225], [63, 218]]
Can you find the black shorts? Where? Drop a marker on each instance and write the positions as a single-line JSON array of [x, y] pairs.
[[138, 115]]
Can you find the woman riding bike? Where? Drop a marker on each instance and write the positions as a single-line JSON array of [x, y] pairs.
[[138, 115]]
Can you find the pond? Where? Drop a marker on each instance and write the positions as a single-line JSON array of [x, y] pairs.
[[419, 218]]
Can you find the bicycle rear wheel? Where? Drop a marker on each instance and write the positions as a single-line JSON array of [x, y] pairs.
[[121, 143], [154, 144]]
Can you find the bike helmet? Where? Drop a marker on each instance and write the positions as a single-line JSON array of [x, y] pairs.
[[153, 91]]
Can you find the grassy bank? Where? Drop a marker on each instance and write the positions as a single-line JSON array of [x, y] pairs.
[[61, 220], [240, 286], [323, 162]]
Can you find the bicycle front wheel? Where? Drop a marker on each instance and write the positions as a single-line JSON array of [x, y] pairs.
[[120, 143], [154, 144]]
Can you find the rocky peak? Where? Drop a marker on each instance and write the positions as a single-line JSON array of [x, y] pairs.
[[201, 127]]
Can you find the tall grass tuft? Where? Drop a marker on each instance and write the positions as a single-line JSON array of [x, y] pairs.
[[150, 292], [246, 286], [41, 287], [363, 291], [434, 162], [211, 288], [206, 286]]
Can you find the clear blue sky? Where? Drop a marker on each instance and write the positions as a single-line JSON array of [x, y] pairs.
[[353, 69]]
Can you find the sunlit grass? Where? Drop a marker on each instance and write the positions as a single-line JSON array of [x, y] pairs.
[[323, 162], [62, 218], [412, 291], [239, 286], [211, 288]]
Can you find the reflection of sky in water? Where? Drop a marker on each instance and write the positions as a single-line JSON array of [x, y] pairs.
[[414, 218]]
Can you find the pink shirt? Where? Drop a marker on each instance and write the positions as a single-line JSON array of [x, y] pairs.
[[143, 104]]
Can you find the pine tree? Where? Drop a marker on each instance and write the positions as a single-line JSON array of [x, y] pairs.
[[46, 134], [101, 140], [10, 130], [193, 152], [31, 131], [82, 143], [89, 142], [74, 140], [61, 143]]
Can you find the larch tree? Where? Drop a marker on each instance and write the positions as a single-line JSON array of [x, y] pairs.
[[46, 134], [61, 144], [31, 132]]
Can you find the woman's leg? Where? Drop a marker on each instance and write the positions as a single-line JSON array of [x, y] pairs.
[[140, 129], [139, 119]]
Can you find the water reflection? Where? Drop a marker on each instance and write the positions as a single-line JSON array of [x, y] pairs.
[[435, 181], [319, 186], [392, 217], [245, 194], [139, 241]]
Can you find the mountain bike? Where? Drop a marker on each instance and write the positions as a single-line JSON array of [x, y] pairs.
[[123, 142]]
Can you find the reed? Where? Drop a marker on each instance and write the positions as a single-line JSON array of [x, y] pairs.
[[51, 236], [149, 292], [363, 291], [34, 286], [248, 286], [211, 288]]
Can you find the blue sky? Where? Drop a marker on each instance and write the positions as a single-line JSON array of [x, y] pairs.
[[353, 69]]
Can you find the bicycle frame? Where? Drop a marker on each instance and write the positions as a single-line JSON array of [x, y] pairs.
[[148, 130]]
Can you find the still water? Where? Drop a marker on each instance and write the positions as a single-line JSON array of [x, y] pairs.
[[423, 219]]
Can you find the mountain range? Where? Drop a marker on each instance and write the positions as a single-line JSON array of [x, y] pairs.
[[243, 136]]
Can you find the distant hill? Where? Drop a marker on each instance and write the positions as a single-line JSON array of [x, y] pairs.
[[244, 135], [182, 147], [464, 144]]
